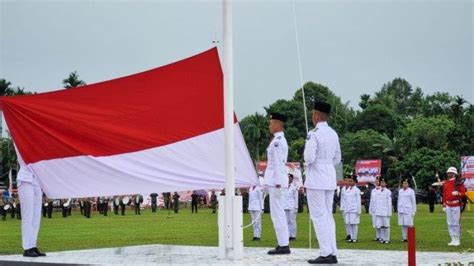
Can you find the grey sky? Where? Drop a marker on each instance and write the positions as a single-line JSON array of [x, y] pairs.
[[354, 47]]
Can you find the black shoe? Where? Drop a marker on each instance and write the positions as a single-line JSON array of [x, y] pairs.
[[292, 238], [404, 240], [256, 239], [324, 260], [348, 237], [30, 253], [353, 240], [279, 251], [41, 254]]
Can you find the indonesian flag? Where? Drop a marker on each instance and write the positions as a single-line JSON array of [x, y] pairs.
[[156, 131]]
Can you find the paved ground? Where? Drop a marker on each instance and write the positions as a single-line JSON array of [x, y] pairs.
[[191, 255]]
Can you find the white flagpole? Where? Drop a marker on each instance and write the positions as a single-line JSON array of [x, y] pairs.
[[10, 179], [230, 209]]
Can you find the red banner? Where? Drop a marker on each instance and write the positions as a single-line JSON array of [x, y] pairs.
[[368, 170], [467, 166]]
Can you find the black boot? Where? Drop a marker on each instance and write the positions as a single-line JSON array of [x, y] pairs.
[[324, 260], [280, 250], [41, 254], [30, 253]]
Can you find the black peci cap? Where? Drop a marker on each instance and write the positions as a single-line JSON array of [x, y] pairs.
[[278, 116], [322, 107]]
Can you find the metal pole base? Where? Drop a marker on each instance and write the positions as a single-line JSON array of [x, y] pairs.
[[230, 222]]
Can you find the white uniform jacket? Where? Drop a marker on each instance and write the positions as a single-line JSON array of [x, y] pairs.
[[290, 197], [321, 153], [277, 153], [255, 198], [406, 201], [383, 202], [352, 200]]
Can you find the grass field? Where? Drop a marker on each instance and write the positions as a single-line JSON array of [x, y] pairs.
[[185, 228]]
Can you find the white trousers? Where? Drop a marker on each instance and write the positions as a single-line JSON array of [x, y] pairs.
[[295, 213], [453, 215], [354, 230], [404, 232], [31, 201], [320, 210], [291, 221], [277, 213], [346, 225], [257, 225]]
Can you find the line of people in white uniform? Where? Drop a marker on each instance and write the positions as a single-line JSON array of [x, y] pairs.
[[256, 205], [380, 209]]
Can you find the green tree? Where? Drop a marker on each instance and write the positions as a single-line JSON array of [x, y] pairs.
[[378, 118], [4, 87], [255, 130], [73, 81], [364, 144], [430, 132], [341, 113], [423, 164]]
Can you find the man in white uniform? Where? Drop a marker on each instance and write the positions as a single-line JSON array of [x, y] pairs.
[[31, 195], [352, 209], [321, 153], [276, 180], [373, 195], [255, 209], [383, 211], [290, 207], [343, 206], [406, 207]]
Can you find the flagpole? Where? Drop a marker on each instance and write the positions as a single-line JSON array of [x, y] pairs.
[[230, 218]]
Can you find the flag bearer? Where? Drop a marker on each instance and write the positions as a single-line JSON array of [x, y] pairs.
[[406, 207]]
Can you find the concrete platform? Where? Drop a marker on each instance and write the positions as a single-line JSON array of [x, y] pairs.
[[193, 255]]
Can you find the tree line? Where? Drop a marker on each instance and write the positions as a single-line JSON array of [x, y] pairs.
[[414, 134]]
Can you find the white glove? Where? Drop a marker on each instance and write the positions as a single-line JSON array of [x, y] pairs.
[[455, 193], [444, 209], [278, 193]]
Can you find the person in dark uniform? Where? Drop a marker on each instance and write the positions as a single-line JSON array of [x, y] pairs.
[[245, 202], [176, 202], [167, 200], [17, 206], [301, 201], [44, 207], [431, 198], [138, 201], [3, 213], [116, 203], [395, 200], [266, 204], [81, 206], [99, 202], [194, 201], [50, 208], [154, 201], [64, 208], [213, 201], [87, 207], [334, 202], [122, 206], [105, 206], [367, 196]]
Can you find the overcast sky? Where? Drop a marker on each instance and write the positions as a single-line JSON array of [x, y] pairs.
[[353, 47]]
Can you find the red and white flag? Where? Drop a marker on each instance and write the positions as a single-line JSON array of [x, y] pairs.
[[156, 131]]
